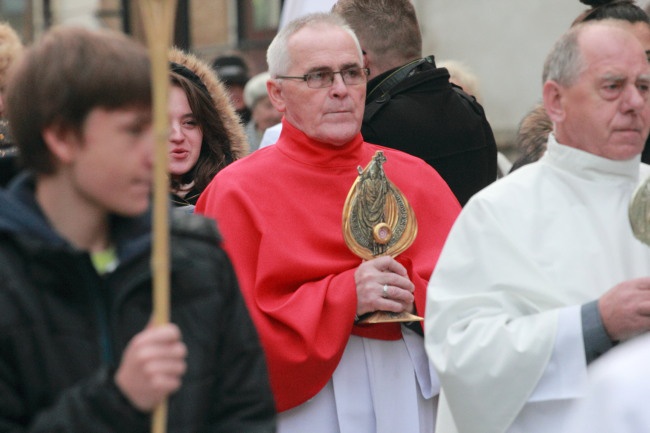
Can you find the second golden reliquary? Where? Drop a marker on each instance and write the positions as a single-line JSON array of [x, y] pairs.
[[639, 212], [378, 221]]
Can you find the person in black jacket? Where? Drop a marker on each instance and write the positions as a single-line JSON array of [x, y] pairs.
[[78, 350], [411, 105]]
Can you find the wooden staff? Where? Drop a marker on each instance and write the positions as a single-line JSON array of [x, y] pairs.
[[158, 19]]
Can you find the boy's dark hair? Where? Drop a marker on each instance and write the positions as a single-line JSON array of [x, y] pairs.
[[63, 77]]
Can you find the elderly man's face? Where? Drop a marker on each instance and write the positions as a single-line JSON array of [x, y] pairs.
[[330, 115], [606, 112]]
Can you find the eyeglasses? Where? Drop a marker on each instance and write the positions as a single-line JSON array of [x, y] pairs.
[[321, 79]]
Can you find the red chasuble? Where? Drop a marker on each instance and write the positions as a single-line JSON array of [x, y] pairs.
[[280, 213]]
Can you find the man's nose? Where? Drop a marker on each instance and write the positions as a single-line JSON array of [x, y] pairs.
[[635, 98], [338, 85]]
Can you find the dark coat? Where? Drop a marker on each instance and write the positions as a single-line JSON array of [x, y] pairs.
[[63, 329], [426, 116], [8, 154]]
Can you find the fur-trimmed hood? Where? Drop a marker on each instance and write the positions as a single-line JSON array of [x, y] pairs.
[[236, 134]]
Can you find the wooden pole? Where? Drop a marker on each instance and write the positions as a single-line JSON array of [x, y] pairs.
[[158, 19]]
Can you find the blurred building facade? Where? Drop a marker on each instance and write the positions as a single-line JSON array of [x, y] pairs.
[[504, 42], [206, 27]]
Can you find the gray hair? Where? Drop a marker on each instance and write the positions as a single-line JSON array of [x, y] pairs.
[[565, 62], [278, 57]]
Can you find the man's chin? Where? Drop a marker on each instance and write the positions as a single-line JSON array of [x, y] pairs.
[[627, 150], [340, 134]]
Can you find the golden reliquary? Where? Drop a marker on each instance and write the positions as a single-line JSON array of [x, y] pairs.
[[378, 221]]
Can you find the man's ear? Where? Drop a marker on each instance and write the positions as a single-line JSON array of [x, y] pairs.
[[274, 89], [62, 142], [553, 95]]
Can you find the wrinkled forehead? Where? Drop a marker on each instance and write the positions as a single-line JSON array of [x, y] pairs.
[[640, 30], [610, 41], [613, 48], [323, 46]]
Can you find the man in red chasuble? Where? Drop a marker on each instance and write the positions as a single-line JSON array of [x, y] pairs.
[[280, 213]]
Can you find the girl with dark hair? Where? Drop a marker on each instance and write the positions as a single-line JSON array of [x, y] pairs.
[[205, 132]]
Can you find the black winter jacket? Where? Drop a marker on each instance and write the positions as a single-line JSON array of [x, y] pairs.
[[426, 116], [63, 329]]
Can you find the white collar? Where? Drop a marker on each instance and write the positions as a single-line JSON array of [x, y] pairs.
[[588, 166]]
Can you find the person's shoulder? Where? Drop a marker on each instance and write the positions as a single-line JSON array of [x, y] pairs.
[[438, 84], [508, 192], [251, 162], [194, 226], [197, 244]]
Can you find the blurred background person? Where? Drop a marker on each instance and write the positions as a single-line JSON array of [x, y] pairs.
[[463, 77], [263, 113], [234, 73], [205, 132], [10, 49], [532, 136], [410, 103]]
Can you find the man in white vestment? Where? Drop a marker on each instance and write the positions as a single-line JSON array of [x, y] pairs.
[[541, 273], [618, 394]]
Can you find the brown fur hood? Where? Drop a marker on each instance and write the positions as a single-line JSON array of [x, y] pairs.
[[236, 135]]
